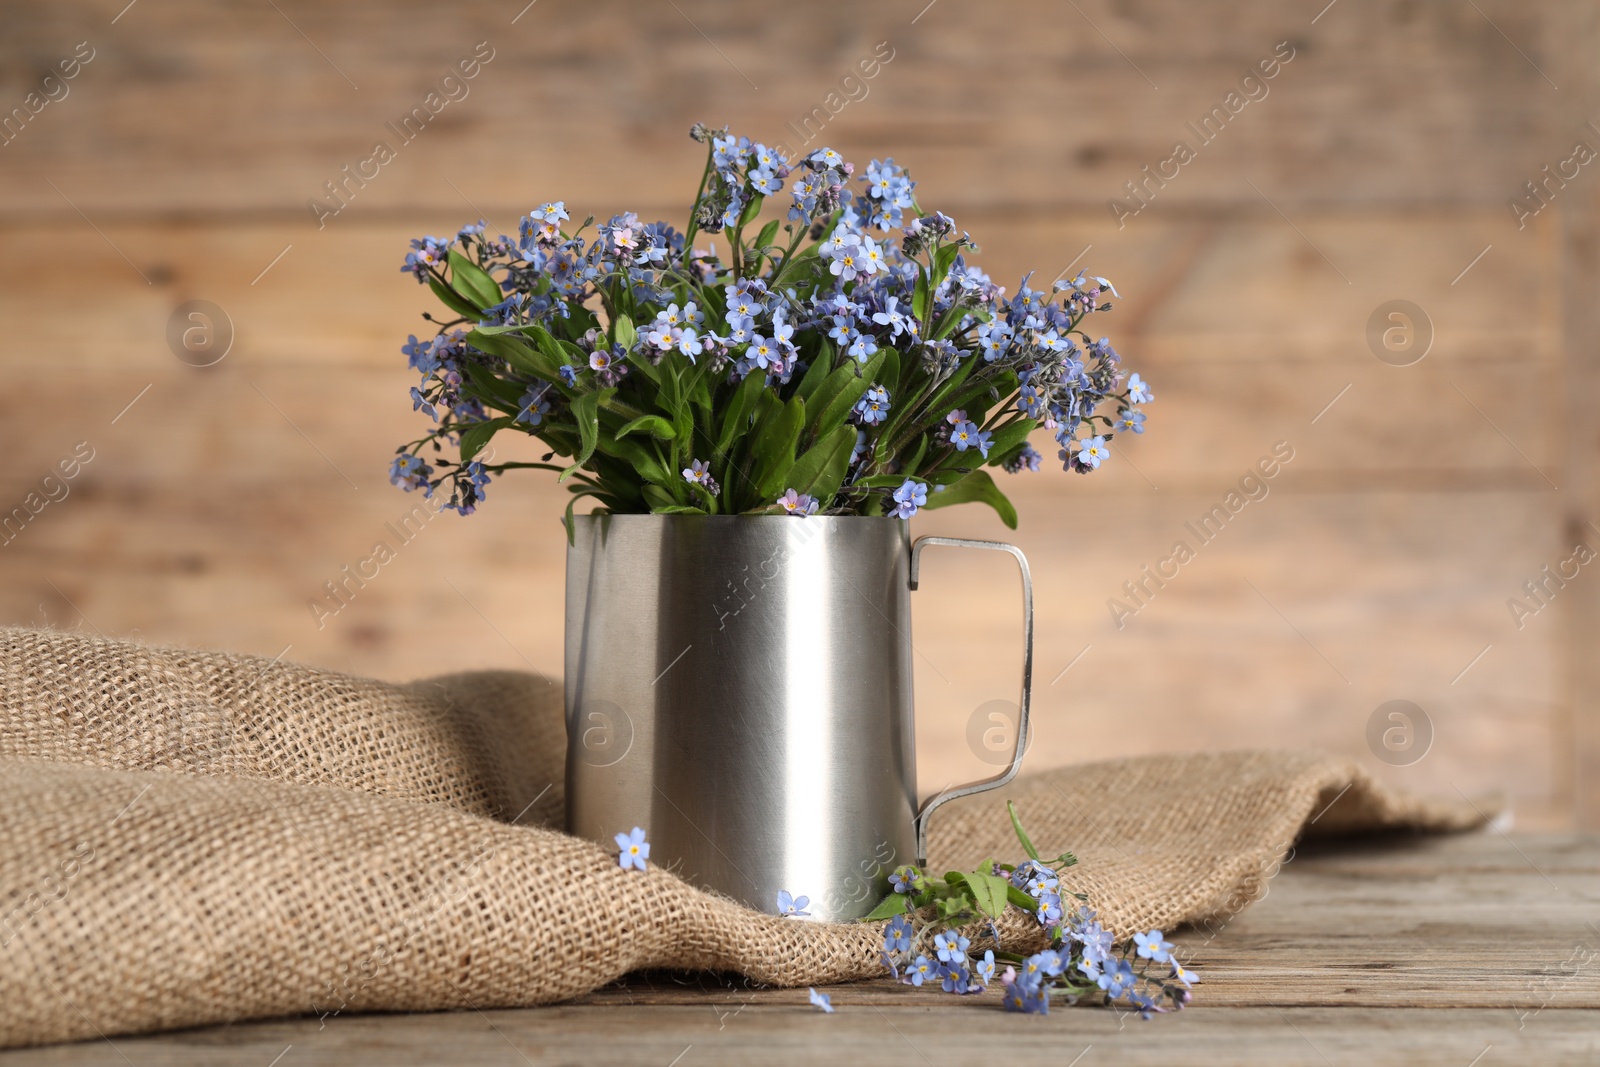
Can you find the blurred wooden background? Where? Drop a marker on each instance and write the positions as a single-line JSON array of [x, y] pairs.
[[1379, 166]]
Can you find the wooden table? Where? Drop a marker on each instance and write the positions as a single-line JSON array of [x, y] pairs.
[[1479, 949]]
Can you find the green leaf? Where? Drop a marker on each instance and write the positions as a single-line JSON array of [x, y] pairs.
[[659, 499], [586, 413], [474, 437], [547, 343], [774, 449], [578, 493], [975, 486], [751, 209], [623, 333], [1021, 899], [448, 297], [921, 297], [841, 391], [820, 470], [641, 459], [472, 281], [1022, 835], [764, 238], [988, 892], [654, 425], [515, 351], [817, 373], [942, 259], [1008, 440], [890, 906], [889, 373], [677, 509]]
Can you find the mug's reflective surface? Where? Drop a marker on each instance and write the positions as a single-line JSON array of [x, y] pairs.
[[740, 686]]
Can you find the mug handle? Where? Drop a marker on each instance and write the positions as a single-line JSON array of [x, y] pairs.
[[955, 792]]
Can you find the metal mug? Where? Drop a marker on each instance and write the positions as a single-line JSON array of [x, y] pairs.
[[740, 687]]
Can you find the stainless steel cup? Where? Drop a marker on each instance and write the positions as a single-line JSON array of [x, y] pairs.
[[740, 687]]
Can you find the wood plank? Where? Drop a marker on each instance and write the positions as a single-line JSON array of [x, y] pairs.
[[1580, 323], [179, 77], [1398, 950], [796, 1034]]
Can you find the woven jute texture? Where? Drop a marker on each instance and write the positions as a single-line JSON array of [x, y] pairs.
[[196, 837]]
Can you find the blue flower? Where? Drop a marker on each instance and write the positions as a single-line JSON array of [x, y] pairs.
[[952, 946], [421, 355], [1097, 943], [420, 403], [1049, 912], [1035, 878], [1128, 419], [534, 406], [428, 253], [957, 979], [873, 407], [1026, 460], [1181, 973], [1034, 1000], [1138, 391], [569, 374], [478, 477], [788, 905], [797, 504], [1116, 977], [892, 317], [908, 498], [782, 332], [689, 344], [552, 212], [852, 254], [920, 970], [985, 967], [906, 879], [1151, 947], [762, 352], [994, 338], [410, 472], [633, 849], [966, 435], [765, 182], [860, 448], [697, 472], [822, 1001], [897, 935], [862, 346], [1091, 454], [1147, 1005]]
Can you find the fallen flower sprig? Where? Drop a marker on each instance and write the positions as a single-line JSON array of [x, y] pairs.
[[1082, 962]]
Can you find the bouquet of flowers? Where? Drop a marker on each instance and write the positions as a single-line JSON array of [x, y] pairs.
[[844, 359], [1082, 961]]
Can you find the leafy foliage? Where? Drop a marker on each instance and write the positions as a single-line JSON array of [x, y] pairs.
[[816, 365]]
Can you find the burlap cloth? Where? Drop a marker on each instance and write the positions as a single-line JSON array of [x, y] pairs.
[[194, 837]]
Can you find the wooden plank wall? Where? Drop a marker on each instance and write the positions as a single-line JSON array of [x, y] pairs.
[[1377, 164]]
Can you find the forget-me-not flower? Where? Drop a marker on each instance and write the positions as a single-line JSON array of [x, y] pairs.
[[788, 905], [908, 498], [633, 849]]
